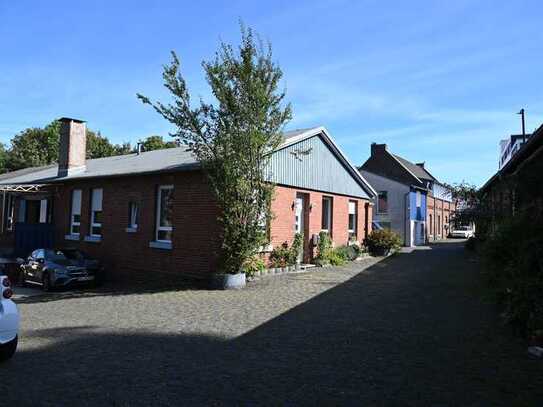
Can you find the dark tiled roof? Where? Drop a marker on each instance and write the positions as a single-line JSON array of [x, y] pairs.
[[417, 170]]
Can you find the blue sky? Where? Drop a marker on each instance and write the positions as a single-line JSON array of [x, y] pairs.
[[437, 81]]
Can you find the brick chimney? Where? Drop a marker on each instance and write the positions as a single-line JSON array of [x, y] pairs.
[[73, 146], [378, 148]]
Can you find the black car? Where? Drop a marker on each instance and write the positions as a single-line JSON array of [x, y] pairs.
[[52, 268]]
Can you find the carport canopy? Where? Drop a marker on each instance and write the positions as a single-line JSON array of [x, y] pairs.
[[22, 187]]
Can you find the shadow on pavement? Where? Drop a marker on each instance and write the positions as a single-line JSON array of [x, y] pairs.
[[403, 333]]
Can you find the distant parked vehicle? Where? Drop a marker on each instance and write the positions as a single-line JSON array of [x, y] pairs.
[[9, 320], [463, 232], [52, 268]]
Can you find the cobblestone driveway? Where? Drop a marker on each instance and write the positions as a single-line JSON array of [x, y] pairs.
[[410, 330]]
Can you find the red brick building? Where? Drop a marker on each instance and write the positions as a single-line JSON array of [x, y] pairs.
[[153, 212]]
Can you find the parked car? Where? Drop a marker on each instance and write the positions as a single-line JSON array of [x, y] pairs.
[[53, 268], [464, 232], [9, 320]]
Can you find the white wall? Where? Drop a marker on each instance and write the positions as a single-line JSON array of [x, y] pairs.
[[397, 204]]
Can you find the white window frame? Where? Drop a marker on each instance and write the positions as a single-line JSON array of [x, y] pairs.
[[93, 222], [352, 210], [418, 199], [160, 228], [10, 211], [328, 213], [133, 212], [73, 212]]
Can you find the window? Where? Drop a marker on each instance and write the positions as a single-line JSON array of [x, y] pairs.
[[9, 212], [418, 199], [75, 217], [164, 214], [382, 202], [96, 212], [133, 215], [353, 217], [326, 214], [386, 225], [431, 231]]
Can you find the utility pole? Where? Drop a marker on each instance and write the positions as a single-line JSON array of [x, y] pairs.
[[523, 125]]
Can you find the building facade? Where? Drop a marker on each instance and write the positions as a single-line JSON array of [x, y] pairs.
[[410, 200], [153, 212]]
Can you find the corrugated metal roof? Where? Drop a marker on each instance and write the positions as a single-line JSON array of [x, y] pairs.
[[166, 160], [170, 159]]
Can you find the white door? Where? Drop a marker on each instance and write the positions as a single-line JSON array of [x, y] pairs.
[[299, 215]]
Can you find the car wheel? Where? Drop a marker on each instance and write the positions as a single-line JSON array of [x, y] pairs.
[[8, 349], [46, 282]]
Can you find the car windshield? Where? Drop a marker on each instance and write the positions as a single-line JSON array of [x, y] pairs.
[[463, 228], [56, 255]]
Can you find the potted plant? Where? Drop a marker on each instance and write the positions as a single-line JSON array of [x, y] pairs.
[[382, 242]]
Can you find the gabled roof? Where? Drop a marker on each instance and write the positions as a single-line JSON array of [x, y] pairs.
[[297, 136], [415, 169], [157, 161]]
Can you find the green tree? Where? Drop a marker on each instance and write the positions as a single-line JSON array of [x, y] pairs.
[[157, 143], [35, 147], [3, 158], [232, 139]]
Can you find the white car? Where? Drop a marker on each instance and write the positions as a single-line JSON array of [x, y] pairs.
[[463, 232], [9, 320]]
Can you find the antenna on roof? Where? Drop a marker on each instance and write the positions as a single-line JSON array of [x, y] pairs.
[[523, 125]]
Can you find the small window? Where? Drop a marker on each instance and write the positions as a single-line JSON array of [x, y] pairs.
[[326, 214], [133, 215], [75, 216], [9, 212], [96, 212], [164, 225], [382, 202], [353, 219], [386, 225]]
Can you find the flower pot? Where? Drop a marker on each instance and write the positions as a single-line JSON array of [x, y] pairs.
[[380, 251], [229, 281]]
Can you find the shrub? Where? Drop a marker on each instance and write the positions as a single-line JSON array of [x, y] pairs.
[[513, 267], [284, 256], [471, 244], [253, 265], [380, 242], [324, 248], [348, 253], [297, 247]]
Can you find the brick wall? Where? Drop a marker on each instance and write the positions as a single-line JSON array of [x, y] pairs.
[[282, 228], [195, 241], [196, 234], [438, 218]]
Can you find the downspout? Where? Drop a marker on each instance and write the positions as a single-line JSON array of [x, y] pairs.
[[406, 219]]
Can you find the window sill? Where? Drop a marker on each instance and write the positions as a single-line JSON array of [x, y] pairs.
[[131, 230], [71, 237], [160, 245], [93, 239]]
